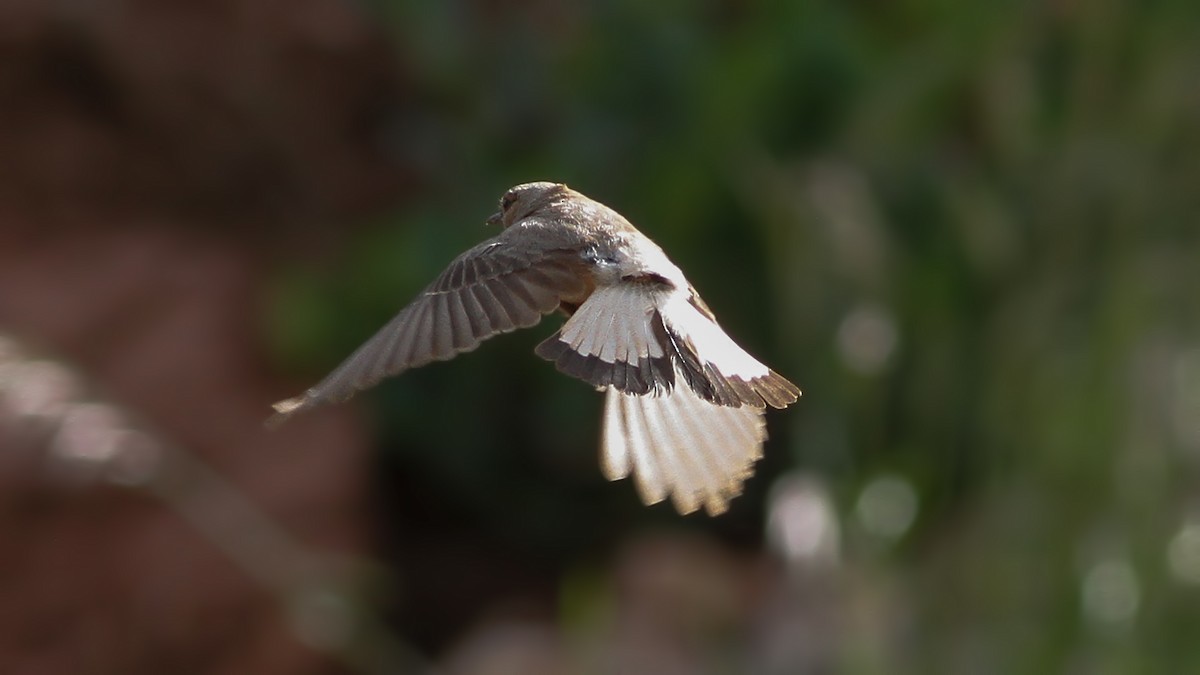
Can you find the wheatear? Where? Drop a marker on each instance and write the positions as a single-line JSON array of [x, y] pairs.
[[684, 403]]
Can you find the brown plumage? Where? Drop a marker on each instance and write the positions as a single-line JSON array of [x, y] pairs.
[[684, 403]]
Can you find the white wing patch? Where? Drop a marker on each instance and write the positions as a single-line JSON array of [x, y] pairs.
[[614, 325], [709, 342]]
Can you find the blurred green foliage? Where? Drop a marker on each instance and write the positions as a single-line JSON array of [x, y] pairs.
[[967, 230]]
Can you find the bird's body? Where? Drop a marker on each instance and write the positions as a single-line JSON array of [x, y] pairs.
[[684, 403]]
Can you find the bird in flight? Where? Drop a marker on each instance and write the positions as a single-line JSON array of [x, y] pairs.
[[684, 403]]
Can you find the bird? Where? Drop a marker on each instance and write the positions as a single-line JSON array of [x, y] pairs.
[[684, 404]]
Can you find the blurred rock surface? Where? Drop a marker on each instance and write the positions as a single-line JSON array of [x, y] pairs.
[[149, 154]]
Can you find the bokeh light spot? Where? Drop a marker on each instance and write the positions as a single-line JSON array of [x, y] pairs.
[[866, 339], [1185, 403], [1183, 554], [1111, 592], [90, 432], [36, 388], [887, 507], [802, 523]]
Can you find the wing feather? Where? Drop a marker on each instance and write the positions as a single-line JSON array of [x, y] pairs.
[[442, 328], [496, 287], [601, 342], [719, 370], [460, 324], [642, 337]]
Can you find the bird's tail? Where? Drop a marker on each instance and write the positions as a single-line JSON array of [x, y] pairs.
[[679, 445]]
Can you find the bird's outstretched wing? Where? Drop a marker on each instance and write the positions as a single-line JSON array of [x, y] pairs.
[[678, 444], [493, 288], [641, 336]]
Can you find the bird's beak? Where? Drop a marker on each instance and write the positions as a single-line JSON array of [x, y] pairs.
[[495, 219]]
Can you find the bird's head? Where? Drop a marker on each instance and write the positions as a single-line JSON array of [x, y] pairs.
[[521, 201]]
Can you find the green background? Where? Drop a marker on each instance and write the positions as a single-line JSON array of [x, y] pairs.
[[968, 231]]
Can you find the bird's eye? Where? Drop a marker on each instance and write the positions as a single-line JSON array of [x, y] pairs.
[[507, 201]]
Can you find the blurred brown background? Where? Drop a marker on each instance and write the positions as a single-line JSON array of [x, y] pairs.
[[967, 231]]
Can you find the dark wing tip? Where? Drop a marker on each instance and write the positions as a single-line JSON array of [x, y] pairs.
[[706, 379], [778, 391], [770, 390], [638, 378]]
